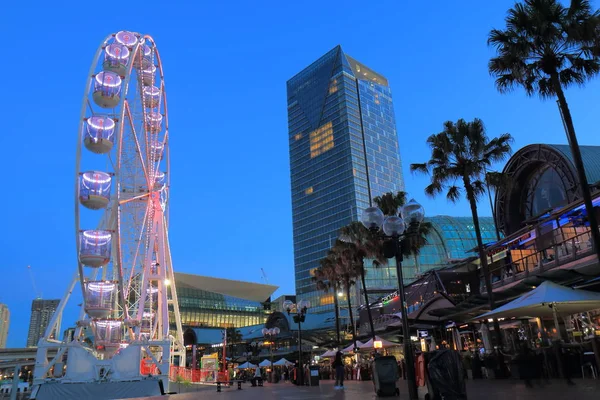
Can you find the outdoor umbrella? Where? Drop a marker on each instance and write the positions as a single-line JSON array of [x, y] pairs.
[[384, 343], [545, 300], [246, 365], [350, 348], [548, 299]]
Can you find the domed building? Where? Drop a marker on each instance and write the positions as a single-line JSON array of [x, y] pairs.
[[451, 238], [542, 178]]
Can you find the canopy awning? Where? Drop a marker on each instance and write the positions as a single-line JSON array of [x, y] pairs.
[[246, 365], [384, 343], [329, 353], [350, 348], [283, 362], [265, 363], [541, 301]]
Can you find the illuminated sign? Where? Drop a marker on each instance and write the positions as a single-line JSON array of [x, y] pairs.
[[389, 297], [377, 344]]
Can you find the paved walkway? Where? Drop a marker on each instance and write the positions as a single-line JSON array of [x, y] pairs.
[[485, 390]]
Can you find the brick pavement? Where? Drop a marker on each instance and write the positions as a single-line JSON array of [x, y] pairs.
[[485, 390]]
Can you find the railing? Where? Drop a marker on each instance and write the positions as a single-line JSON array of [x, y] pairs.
[[196, 375], [572, 249]]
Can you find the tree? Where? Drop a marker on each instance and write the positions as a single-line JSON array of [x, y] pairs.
[[367, 245], [344, 261], [326, 279], [234, 336], [545, 48], [461, 153]]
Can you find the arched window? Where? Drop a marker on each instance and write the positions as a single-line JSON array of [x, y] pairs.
[[546, 191]]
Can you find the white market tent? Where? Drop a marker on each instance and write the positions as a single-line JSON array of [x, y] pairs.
[[328, 353], [546, 300], [384, 343], [283, 362], [350, 348], [265, 363], [246, 365]]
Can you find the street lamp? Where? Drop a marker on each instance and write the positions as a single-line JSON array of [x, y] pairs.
[[271, 333], [395, 232], [299, 310]]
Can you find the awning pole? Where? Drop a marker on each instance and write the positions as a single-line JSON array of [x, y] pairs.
[[556, 324]]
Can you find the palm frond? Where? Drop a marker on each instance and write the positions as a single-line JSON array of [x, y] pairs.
[[453, 194], [546, 47]]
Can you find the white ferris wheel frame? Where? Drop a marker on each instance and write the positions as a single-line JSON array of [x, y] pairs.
[[157, 240]]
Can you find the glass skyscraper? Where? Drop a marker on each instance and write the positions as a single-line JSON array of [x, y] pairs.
[[343, 152]]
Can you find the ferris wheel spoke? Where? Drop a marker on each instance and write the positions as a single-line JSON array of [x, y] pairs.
[[122, 202], [137, 143]]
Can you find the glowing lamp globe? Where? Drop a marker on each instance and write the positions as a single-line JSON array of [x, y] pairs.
[[393, 226], [413, 212], [288, 305], [372, 218]]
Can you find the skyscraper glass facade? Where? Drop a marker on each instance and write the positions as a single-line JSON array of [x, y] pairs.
[[343, 151]]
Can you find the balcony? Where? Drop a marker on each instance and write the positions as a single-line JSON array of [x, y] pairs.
[[557, 247]]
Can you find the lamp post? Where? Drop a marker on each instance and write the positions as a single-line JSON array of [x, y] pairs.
[[299, 316], [395, 232], [271, 333]]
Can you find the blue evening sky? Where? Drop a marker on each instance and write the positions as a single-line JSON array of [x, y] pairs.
[[226, 65]]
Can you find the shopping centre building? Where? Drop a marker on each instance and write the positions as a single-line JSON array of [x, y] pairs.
[[546, 237]]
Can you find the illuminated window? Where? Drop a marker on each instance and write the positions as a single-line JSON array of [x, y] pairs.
[[298, 136], [308, 190], [321, 140], [333, 87], [325, 300]]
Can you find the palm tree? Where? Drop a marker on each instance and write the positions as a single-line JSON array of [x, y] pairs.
[[348, 269], [234, 336], [367, 245], [461, 153], [339, 269], [326, 279], [545, 48]]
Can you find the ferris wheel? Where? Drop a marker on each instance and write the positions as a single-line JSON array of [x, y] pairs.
[[122, 196], [124, 335]]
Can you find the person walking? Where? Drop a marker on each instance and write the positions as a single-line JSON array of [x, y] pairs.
[[338, 364]]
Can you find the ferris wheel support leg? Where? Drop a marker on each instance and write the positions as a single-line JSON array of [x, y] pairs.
[[54, 324], [178, 348]]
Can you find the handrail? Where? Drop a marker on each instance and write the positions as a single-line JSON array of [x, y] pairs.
[[551, 257]]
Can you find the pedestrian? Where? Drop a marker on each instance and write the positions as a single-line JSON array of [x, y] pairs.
[[338, 364], [403, 367]]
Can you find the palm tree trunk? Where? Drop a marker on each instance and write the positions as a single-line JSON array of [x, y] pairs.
[[482, 255], [489, 193], [577, 160], [337, 315], [364, 285], [351, 315]]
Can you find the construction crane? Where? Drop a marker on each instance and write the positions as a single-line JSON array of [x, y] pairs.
[[264, 276], [37, 294]]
